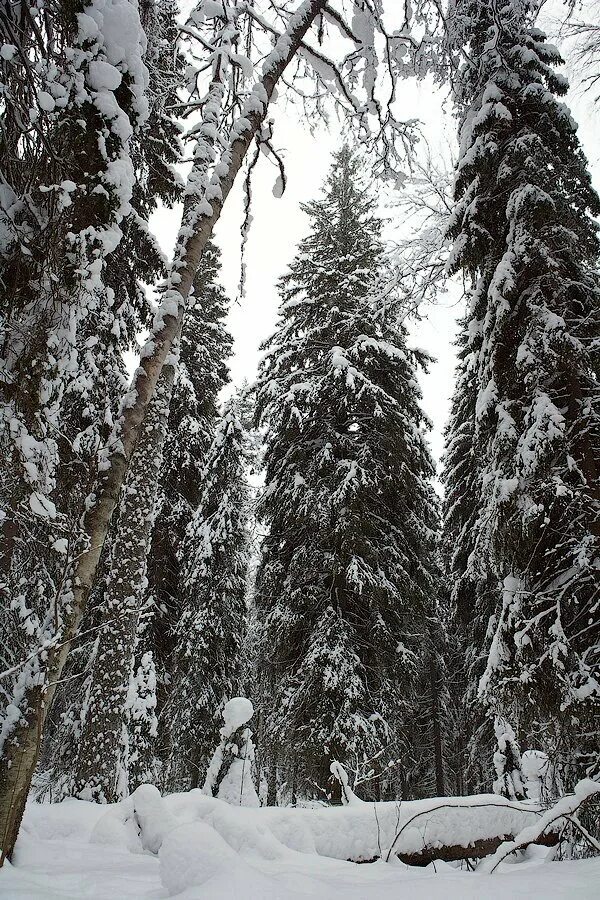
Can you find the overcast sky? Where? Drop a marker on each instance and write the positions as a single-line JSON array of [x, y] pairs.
[[279, 224]]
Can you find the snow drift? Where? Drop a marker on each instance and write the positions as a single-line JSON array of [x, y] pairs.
[[197, 846]]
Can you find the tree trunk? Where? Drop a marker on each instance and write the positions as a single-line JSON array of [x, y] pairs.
[[9, 531], [477, 850], [99, 773], [16, 762], [194, 770], [198, 230], [434, 676], [272, 778]]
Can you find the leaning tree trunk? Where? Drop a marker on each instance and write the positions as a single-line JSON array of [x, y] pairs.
[[204, 210], [99, 773]]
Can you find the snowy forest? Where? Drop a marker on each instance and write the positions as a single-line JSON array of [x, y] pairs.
[[253, 631]]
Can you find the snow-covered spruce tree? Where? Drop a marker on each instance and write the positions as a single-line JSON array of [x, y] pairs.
[[64, 204], [201, 374], [524, 232], [472, 591], [154, 148], [421, 766], [347, 571], [102, 767], [210, 631]]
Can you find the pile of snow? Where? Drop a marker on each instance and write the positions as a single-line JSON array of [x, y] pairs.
[[236, 712], [193, 854], [193, 846], [358, 832], [139, 823]]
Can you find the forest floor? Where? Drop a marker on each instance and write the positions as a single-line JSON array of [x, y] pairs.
[[63, 853]]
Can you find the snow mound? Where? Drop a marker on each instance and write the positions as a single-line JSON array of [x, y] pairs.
[[118, 828], [71, 818], [138, 823], [192, 854], [152, 816], [245, 834], [220, 852]]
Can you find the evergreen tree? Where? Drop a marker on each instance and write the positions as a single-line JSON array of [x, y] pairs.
[[347, 569], [74, 96], [472, 592], [211, 629], [524, 233], [92, 399], [200, 376]]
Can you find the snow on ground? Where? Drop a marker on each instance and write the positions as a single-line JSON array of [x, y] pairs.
[[211, 851]]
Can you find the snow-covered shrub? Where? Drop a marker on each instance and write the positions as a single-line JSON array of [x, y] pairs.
[[507, 762], [229, 775]]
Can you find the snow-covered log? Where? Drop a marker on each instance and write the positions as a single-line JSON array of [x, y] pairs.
[[416, 831], [548, 823]]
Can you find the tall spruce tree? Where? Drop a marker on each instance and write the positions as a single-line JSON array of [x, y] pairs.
[[94, 397], [201, 374], [472, 592], [75, 83], [206, 668], [347, 569], [524, 233]]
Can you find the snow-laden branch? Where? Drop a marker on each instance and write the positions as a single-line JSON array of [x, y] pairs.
[[565, 807]]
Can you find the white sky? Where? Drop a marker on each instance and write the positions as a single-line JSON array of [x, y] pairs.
[[279, 224]]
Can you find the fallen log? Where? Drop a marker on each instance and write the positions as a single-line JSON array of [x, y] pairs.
[[476, 850], [416, 831], [473, 845], [563, 810]]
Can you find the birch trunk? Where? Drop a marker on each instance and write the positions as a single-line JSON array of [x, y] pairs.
[[19, 761]]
